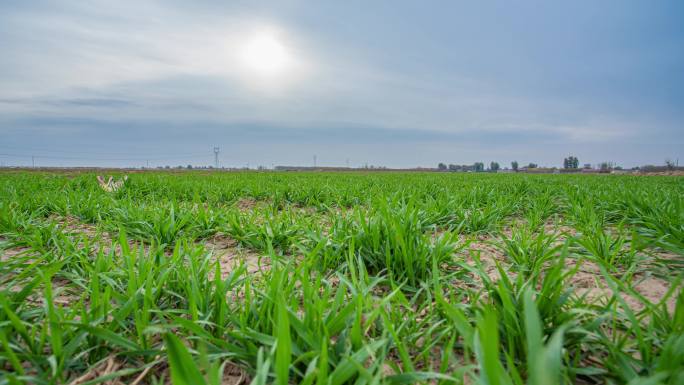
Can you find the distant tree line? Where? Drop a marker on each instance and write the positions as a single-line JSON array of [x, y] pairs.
[[475, 167], [570, 164], [480, 166]]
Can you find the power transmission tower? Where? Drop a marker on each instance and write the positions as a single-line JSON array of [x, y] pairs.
[[33, 161], [216, 153], [314, 161]]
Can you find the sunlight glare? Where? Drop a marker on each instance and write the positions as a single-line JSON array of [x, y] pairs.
[[265, 55]]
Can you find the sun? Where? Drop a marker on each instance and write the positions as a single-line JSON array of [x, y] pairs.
[[265, 55]]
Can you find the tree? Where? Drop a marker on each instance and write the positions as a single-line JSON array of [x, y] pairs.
[[442, 167], [189, 167], [494, 166], [453, 167], [605, 166], [670, 164], [514, 165], [478, 166], [571, 162], [532, 165]]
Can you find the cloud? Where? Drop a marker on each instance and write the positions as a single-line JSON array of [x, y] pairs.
[[125, 71]]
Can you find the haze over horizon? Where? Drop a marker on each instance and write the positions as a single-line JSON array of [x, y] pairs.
[[397, 84]]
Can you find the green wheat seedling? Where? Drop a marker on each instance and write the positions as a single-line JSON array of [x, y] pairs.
[[371, 279]]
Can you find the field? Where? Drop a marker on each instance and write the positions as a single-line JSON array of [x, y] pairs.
[[341, 278]]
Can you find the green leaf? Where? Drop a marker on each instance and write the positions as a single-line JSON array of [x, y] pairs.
[[284, 344], [184, 371]]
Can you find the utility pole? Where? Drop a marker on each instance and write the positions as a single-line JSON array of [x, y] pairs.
[[33, 161], [216, 153], [148, 164]]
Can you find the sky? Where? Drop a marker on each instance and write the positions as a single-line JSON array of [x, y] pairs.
[[385, 83]]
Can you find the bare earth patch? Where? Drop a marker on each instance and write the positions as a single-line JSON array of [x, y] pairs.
[[75, 225], [246, 204], [8, 254], [590, 282], [489, 255], [654, 290], [587, 281], [230, 256], [107, 367]]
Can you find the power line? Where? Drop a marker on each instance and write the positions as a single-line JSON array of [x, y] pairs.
[[128, 155], [171, 157]]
